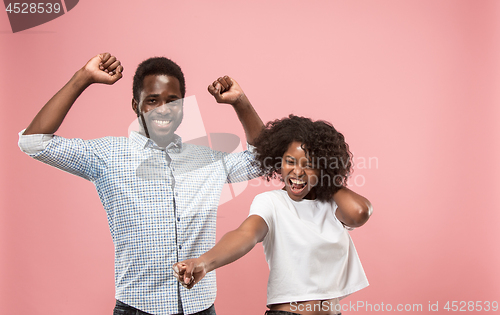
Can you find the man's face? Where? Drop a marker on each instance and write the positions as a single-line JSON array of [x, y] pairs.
[[161, 104]]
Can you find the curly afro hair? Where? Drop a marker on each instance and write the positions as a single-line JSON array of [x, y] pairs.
[[325, 146], [156, 66]]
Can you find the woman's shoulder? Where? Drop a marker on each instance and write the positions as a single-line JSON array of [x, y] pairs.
[[272, 199], [277, 194]]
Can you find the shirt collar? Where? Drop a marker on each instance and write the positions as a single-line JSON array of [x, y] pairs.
[[144, 142]]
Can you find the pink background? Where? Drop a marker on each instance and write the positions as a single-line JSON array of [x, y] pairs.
[[414, 85]]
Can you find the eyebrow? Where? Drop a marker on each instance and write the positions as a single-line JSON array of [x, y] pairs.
[[158, 95], [309, 160]]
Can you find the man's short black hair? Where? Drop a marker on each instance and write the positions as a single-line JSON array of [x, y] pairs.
[[156, 66]]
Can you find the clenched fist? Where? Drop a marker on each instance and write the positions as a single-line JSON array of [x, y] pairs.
[[103, 68]]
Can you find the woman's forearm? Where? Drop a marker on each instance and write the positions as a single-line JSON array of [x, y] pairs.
[[353, 209]]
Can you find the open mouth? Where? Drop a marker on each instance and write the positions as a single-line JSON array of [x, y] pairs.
[[296, 185]]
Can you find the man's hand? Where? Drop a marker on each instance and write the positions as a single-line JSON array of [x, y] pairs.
[[189, 272], [103, 68], [226, 90]]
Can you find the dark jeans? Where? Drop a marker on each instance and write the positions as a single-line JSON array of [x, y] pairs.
[[124, 309], [269, 312]]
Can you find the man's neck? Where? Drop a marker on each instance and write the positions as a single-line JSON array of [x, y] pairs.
[[160, 142]]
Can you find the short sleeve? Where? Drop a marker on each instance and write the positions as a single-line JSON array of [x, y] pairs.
[[240, 168], [264, 207], [251, 149]]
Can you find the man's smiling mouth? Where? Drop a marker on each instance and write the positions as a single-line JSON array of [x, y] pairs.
[[162, 123]]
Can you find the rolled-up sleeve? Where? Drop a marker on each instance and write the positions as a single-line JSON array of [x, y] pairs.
[[75, 156], [33, 144], [241, 166]]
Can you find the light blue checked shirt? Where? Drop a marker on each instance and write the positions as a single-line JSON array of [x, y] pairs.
[[161, 207]]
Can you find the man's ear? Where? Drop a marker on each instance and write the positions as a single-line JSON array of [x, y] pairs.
[[135, 106]]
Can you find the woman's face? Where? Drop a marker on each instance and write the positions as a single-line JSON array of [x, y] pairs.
[[298, 174]]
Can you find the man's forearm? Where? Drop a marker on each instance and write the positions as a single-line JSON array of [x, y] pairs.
[[102, 68], [250, 120], [50, 117]]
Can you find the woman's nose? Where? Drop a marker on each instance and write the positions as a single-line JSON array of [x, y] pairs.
[[298, 170]]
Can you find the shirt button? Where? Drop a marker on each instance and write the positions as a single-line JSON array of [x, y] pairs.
[[179, 219], [180, 246], [177, 194]]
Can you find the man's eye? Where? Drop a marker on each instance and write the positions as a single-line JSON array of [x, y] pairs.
[[151, 101], [175, 102]]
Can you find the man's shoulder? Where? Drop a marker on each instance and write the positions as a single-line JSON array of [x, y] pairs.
[[102, 139], [109, 141], [191, 148]]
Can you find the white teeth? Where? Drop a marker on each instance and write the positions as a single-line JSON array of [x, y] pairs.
[[297, 181], [162, 122]]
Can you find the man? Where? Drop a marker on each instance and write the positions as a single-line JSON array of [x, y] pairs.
[[160, 195]]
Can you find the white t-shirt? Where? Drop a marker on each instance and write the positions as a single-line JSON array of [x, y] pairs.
[[310, 253]]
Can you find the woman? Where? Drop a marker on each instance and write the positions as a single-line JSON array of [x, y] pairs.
[[303, 227]]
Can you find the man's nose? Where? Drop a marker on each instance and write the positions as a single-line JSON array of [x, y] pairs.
[[163, 109]]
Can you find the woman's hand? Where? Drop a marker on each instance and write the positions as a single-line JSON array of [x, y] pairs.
[[189, 272]]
